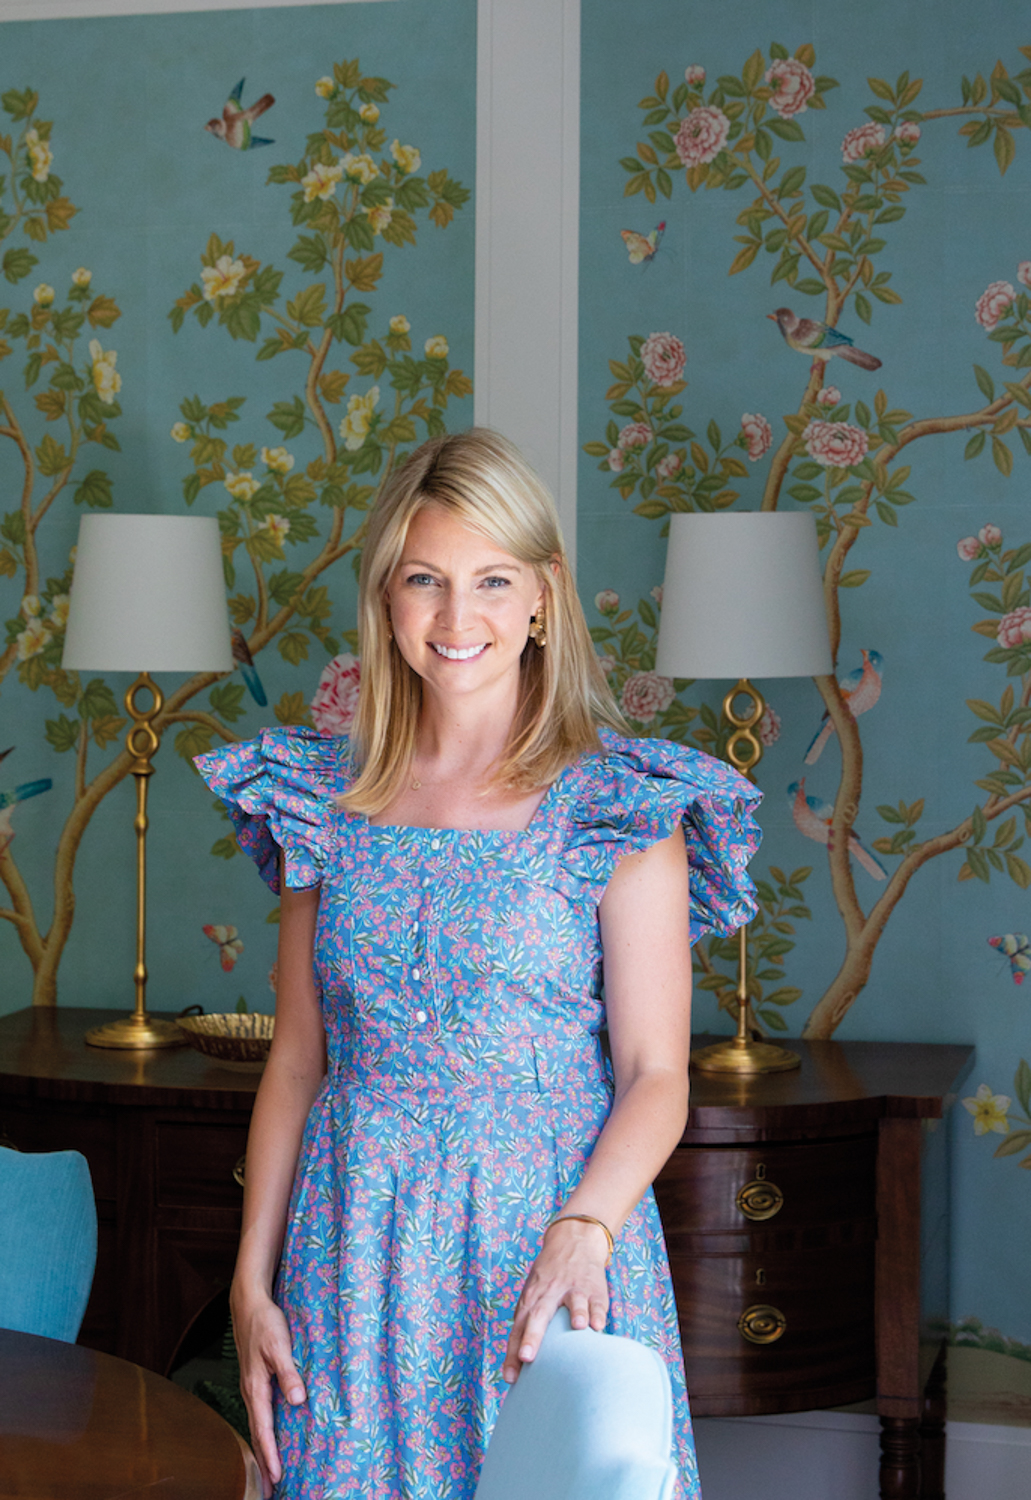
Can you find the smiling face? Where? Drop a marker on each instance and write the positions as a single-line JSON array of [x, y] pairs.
[[460, 607]]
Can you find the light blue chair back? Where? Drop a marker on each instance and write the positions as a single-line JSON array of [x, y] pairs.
[[590, 1419], [48, 1242]]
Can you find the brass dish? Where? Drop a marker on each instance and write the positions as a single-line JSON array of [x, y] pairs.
[[231, 1040]]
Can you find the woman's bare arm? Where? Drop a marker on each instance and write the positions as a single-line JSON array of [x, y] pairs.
[[645, 939], [289, 1086]]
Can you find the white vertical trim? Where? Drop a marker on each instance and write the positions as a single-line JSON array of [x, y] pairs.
[[527, 234]]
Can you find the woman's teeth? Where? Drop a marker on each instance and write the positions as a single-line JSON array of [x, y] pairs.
[[456, 653]]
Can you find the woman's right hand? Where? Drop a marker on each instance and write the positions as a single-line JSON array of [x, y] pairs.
[[263, 1344]]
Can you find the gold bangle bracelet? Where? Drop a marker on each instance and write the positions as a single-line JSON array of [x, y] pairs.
[[587, 1219]]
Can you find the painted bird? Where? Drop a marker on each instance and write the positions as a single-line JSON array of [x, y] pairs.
[[235, 125], [819, 341], [813, 819], [8, 800], [245, 661], [860, 689]]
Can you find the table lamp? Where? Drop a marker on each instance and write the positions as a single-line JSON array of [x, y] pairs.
[[147, 596], [742, 598]]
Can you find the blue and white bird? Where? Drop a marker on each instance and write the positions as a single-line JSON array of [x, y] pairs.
[[860, 688], [813, 819], [248, 671], [820, 341]]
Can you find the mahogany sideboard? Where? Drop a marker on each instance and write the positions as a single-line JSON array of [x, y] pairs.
[[806, 1215]]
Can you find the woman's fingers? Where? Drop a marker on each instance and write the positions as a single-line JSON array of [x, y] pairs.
[[257, 1396]]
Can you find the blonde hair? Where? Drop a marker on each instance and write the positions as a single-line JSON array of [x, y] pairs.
[[484, 482]]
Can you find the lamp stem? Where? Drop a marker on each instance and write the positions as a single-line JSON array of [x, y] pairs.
[[140, 1030]]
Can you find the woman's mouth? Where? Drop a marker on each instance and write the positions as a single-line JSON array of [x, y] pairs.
[[459, 653]]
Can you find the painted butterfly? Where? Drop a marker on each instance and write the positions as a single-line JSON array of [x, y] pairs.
[[1018, 950], [229, 945], [642, 246]]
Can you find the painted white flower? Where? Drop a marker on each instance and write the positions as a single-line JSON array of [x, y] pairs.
[[30, 606], [44, 294], [59, 609], [407, 157], [694, 75], [278, 528], [82, 277], [436, 347], [607, 602], [400, 324], [106, 380], [380, 215], [360, 168], [989, 1111], [277, 459], [40, 155], [182, 432], [32, 639], [354, 428], [242, 486], [321, 181], [326, 87], [369, 113], [223, 278]]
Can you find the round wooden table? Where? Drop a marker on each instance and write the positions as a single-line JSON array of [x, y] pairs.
[[78, 1425]]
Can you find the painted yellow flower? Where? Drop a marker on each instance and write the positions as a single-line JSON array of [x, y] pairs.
[[182, 432], [326, 88], [82, 277], [44, 294], [278, 528], [380, 215], [32, 639], [242, 486], [400, 324], [989, 1111], [223, 278], [369, 113], [30, 606], [436, 347], [106, 380], [277, 459], [59, 609], [321, 181], [354, 428], [407, 157], [40, 155], [360, 168]]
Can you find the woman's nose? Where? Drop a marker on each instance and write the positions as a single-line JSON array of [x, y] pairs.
[[456, 609]]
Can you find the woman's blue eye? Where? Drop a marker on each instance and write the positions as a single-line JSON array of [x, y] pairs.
[[420, 578], [497, 579]]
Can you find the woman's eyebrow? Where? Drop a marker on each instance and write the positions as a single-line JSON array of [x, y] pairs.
[[417, 562]]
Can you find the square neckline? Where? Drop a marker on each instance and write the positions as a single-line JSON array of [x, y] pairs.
[[541, 812]]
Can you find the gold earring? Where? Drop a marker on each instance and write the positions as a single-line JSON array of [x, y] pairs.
[[538, 632]]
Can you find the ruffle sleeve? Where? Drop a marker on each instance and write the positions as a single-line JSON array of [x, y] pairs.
[[279, 790], [636, 795]]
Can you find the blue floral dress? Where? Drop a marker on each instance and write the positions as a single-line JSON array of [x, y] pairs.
[[460, 975]]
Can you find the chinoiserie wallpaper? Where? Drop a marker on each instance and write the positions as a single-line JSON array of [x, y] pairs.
[[805, 274]]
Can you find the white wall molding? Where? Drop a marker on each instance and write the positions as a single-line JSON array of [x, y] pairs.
[[63, 10]]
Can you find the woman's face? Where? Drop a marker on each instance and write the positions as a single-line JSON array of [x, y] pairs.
[[460, 606]]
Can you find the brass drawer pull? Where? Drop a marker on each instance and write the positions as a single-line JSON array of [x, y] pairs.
[[239, 1171], [759, 1199], [761, 1324]]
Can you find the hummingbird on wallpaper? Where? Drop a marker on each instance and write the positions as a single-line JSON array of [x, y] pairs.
[[813, 819], [860, 689], [245, 661], [819, 340], [235, 125], [9, 800]]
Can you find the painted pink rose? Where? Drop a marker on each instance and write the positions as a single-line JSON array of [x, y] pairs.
[[607, 664], [336, 697], [635, 435], [1024, 273], [968, 548], [990, 535], [908, 132], [758, 434], [829, 396], [664, 358], [993, 302], [615, 461], [769, 726], [836, 445], [607, 602], [646, 694], [1015, 628], [656, 594], [702, 135], [668, 466], [694, 75], [861, 141], [792, 85]]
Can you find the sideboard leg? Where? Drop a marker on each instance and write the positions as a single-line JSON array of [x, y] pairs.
[[900, 1458], [932, 1431]]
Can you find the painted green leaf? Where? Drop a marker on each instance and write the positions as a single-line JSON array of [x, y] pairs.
[[227, 699], [1002, 455], [974, 446], [855, 578], [293, 646], [193, 739], [63, 733], [95, 491], [1022, 1085], [288, 416], [1017, 1140], [985, 382]]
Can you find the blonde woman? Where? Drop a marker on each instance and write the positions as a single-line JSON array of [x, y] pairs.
[[440, 1154]]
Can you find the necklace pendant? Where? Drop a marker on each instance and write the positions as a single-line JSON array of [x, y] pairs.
[[416, 785]]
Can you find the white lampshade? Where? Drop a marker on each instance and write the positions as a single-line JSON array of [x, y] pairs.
[[743, 597], [148, 595]]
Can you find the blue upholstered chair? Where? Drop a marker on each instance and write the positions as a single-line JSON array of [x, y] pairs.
[[48, 1242], [590, 1419]]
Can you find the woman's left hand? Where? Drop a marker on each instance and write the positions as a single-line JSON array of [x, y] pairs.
[[569, 1272]]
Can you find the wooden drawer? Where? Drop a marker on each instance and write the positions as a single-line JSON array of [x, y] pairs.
[[195, 1163]]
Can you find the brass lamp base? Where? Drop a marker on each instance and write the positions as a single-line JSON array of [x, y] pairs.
[[737, 1055], [135, 1033]]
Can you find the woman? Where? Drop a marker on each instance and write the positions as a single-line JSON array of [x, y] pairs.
[[439, 1155]]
